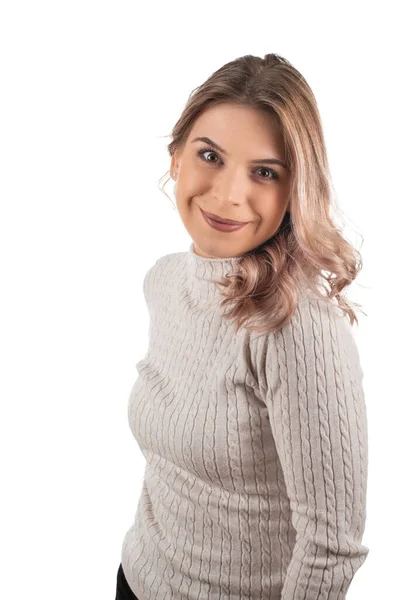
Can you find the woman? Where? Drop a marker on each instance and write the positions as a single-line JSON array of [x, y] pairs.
[[254, 433]]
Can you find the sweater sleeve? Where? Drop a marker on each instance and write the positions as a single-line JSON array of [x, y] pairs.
[[317, 414]]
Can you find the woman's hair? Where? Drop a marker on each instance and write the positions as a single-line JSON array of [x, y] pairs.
[[308, 249]]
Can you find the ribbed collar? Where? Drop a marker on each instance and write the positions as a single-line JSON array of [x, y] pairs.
[[210, 269]]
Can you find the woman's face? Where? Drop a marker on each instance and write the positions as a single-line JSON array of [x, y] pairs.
[[228, 184]]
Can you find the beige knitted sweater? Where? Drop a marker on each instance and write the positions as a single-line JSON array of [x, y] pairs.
[[256, 448]]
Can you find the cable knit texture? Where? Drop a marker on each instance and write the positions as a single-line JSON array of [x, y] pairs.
[[256, 448]]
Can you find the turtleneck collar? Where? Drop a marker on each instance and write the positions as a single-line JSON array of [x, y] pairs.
[[210, 269]]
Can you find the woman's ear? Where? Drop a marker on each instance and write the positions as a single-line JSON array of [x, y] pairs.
[[174, 168]]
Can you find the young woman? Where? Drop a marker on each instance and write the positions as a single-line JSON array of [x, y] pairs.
[[252, 421]]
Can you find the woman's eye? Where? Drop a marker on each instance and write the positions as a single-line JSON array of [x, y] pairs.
[[273, 175], [202, 152]]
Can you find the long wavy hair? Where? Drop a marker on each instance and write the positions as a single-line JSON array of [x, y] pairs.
[[308, 253]]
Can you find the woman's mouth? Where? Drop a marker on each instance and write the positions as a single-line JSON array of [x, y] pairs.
[[225, 225]]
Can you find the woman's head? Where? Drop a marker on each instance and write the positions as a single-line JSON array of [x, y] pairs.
[[229, 182], [256, 109]]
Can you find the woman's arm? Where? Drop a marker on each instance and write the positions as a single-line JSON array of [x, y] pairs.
[[318, 418]]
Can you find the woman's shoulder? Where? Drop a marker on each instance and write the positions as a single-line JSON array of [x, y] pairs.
[[321, 326], [162, 274], [167, 259]]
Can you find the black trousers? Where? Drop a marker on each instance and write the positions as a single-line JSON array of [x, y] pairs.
[[124, 592]]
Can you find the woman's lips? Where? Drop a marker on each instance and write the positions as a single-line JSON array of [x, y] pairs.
[[221, 226], [220, 220]]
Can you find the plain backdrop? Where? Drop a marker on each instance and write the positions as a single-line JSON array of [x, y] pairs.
[[90, 92]]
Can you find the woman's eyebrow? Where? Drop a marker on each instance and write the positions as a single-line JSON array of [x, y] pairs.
[[274, 161]]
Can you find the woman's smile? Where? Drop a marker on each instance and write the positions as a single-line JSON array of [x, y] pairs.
[[227, 227]]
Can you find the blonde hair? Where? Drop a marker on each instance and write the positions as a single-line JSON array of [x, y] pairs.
[[308, 249]]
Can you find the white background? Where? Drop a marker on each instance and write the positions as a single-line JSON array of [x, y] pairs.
[[90, 92]]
